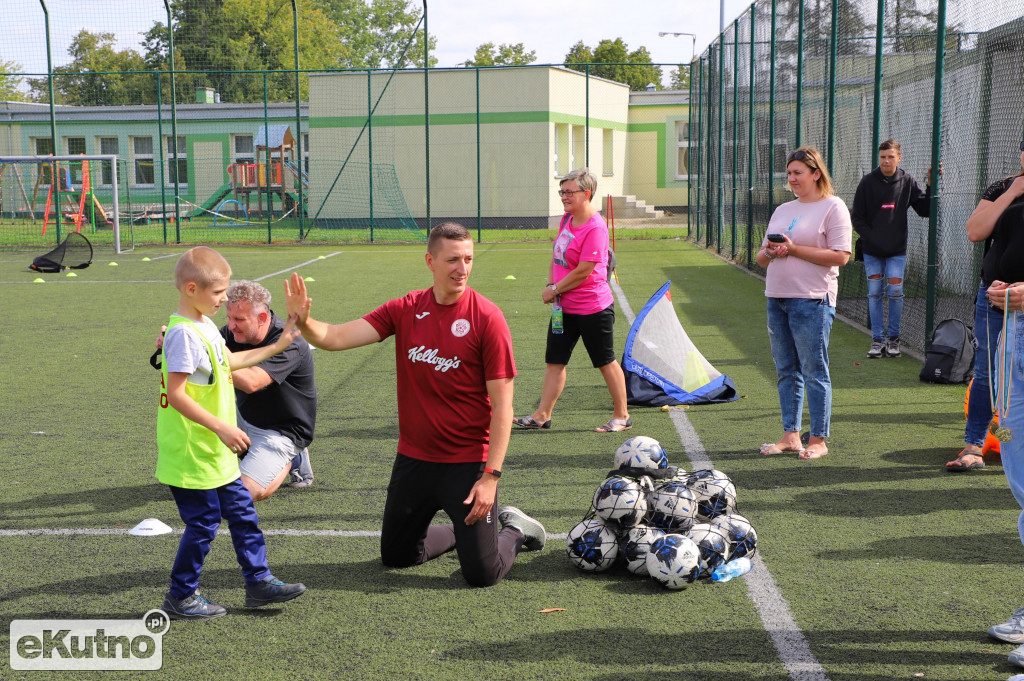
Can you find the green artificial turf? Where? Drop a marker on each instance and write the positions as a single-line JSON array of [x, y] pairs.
[[890, 566]]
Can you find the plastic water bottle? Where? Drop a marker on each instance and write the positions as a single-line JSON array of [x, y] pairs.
[[734, 568], [557, 321]]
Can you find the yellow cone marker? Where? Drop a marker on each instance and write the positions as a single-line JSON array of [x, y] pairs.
[[320, 257], [309, 279], [38, 280], [146, 259], [112, 264], [71, 274], [510, 277]]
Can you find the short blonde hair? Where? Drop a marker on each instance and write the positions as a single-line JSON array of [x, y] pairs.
[[583, 178], [201, 265], [811, 158]]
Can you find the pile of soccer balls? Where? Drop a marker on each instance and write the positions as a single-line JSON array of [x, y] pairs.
[[660, 520]]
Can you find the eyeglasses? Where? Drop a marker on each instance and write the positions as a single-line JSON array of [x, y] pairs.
[[570, 192], [803, 156]]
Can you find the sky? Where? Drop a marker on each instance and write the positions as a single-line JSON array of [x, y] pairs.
[[459, 26]]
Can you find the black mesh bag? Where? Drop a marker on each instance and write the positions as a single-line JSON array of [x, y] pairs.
[[74, 253]]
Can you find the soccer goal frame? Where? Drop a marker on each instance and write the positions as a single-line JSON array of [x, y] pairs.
[[115, 186]]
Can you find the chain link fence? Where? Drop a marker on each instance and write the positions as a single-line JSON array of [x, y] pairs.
[[942, 77], [239, 124]]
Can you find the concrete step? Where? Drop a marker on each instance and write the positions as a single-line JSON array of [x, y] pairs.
[[630, 208]]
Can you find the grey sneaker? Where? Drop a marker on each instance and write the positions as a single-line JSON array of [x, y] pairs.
[[193, 607], [1017, 657], [302, 471], [892, 347], [271, 590], [1011, 631], [876, 350], [510, 516]]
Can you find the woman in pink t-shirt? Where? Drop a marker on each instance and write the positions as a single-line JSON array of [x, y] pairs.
[[807, 241], [579, 283]]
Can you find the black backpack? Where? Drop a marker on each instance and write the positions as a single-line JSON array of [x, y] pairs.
[[950, 357]]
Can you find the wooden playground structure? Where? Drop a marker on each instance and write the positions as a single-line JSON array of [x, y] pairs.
[[270, 177]]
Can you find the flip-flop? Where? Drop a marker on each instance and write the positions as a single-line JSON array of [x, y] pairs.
[[530, 423], [615, 425], [770, 448], [957, 465], [809, 454]]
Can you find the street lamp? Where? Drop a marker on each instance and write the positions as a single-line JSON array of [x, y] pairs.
[[662, 34]]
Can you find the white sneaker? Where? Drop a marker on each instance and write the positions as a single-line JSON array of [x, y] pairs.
[[1011, 631], [1017, 657]]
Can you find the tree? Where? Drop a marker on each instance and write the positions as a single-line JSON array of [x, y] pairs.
[[679, 77], [97, 75], [503, 55], [612, 59], [10, 83]]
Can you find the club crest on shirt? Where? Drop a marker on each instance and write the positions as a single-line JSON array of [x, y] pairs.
[[460, 327]]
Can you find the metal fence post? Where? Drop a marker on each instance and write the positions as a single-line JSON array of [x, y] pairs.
[[479, 197], [160, 155], [720, 208], [689, 157], [300, 205], [933, 218], [771, 110], [833, 56], [750, 137], [800, 74], [174, 133], [53, 119], [735, 124], [701, 142], [426, 107], [877, 105], [266, 141], [369, 143]]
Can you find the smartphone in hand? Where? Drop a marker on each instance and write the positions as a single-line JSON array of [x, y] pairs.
[[776, 238]]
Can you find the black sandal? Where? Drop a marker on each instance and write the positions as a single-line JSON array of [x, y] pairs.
[[529, 423]]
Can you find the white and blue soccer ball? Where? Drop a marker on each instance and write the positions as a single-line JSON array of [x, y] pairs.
[[641, 452], [635, 545], [674, 560], [713, 544], [714, 491], [741, 534], [671, 506], [592, 546], [621, 502]]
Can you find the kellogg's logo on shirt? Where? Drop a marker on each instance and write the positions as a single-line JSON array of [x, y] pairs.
[[442, 364]]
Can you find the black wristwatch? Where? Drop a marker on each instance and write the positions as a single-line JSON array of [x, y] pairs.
[[493, 471]]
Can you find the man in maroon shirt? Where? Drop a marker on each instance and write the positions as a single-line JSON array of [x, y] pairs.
[[455, 368]]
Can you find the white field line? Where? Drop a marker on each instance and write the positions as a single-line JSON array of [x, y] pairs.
[[794, 652], [301, 264]]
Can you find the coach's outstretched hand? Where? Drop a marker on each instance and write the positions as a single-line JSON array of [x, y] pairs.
[[298, 303]]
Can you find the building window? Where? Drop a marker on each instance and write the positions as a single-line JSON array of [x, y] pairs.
[[682, 150], [107, 145], [608, 168], [44, 147], [177, 169], [142, 161], [75, 146], [578, 147], [243, 149]]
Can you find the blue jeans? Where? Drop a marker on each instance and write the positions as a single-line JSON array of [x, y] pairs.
[[988, 324], [798, 329], [201, 510], [885, 269], [1012, 452]]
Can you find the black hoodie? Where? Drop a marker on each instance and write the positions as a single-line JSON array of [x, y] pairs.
[[880, 211]]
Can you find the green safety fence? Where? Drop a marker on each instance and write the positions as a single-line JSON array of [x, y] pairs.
[[942, 77]]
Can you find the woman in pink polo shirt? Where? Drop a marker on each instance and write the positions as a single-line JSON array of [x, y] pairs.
[[807, 241], [579, 283]]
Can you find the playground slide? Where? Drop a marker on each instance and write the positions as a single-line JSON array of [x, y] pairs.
[[301, 175], [214, 199]]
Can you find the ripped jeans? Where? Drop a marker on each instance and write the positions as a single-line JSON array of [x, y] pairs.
[[879, 271]]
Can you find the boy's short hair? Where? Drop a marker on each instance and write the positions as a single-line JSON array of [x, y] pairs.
[[890, 144], [447, 230], [201, 265]]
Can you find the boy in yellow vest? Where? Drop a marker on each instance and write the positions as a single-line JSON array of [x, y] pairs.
[[199, 441]]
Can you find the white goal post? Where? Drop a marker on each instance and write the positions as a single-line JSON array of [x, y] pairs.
[[111, 158]]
